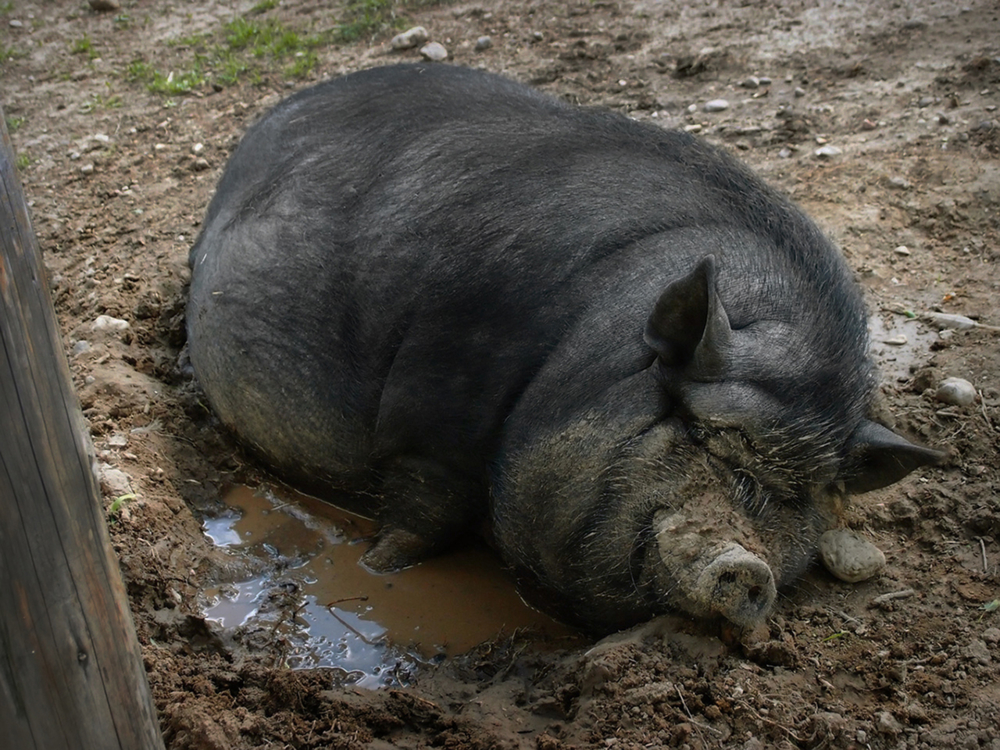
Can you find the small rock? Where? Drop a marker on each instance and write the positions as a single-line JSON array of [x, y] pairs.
[[902, 250], [81, 347], [899, 340], [750, 83], [828, 152], [765, 81], [799, 91], [434, 52], [118, 440], [197, 148], [850, 557], [785, 153], [537, 36], [887, 724], [992, 635], [483, 43], [716, 105], [957, 391], [107, 323], [104, 6], [410, 38], [200, 164], [114, 482], [949, 320], [900, 183], [925, 101], [87, 168], [978, 651], [15, 24]]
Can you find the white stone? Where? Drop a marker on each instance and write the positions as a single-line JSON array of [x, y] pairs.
[[949, 320], [828, 152], [114, 482], [410, 38], [107, 323], [957, 391], [716, 105], [434, 52], [850, 557]]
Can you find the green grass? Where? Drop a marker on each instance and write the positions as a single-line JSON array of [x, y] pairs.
[[13, 123], [365, 18], [250, 46], [263, 6], [83, 46], [22, 162]]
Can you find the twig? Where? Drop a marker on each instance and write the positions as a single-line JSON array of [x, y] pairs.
[[982, 548], [697, 725], [904, 594]]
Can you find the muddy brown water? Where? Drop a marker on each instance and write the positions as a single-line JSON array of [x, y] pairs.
[[378, 629]]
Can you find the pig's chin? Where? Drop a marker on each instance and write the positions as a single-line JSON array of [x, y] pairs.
[[712, 578]]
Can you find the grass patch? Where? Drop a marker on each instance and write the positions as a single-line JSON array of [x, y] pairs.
[[83, 46], [365, 18], [13, 123], [22, 162], [250, 46], [242, 49], [263, 7]]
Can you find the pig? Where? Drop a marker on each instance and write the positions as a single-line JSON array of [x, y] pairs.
[[451, 302]]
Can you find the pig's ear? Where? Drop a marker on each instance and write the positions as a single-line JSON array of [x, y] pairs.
[[877, 457], [689, 327]]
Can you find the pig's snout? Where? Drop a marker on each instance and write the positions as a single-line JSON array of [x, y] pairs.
[[737, 585], [707, 578]]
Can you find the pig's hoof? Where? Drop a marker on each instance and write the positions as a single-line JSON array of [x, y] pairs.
[[395, 549], [738, 585]]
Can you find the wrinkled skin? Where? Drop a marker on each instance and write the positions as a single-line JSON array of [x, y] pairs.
[[460, 300]]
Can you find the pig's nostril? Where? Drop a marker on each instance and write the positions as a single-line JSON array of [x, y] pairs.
[[728, 577], [754, 593]]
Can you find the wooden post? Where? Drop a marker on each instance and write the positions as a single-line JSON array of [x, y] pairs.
[[71, 671]]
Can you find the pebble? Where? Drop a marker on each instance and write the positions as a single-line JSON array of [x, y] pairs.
[[887, 724], [902, 250], [81, 347], [434, 52], [107, 323], [991, 635], [799, 91], [716, 105], [785, 153], [750, 83], [410, 38], [900, 183], [118, 440], [87, 168], [114, 482], [200, 164], [197, 148], [899, 340], [850, 557], [957, 391], [483, 43], [828, 152], [15, 24]]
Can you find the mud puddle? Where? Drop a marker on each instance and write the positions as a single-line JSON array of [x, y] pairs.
[[899, 344], [310, 592]]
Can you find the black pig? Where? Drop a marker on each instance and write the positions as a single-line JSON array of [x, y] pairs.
[[460, 299]]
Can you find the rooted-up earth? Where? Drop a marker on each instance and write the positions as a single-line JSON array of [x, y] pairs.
[[878, 118]]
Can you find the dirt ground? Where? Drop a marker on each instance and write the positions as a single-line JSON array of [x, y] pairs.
[[902, 95]]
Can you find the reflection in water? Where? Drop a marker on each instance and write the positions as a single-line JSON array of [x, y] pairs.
[[331, 612]]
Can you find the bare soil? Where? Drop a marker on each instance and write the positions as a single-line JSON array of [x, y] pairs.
[[907, 91]]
